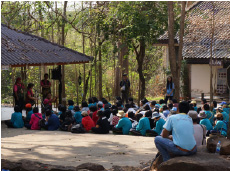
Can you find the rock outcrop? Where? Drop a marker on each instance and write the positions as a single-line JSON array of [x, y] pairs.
[[225, 145], [201, 161]]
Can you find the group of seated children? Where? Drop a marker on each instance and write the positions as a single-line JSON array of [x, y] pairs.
[[100, 117]]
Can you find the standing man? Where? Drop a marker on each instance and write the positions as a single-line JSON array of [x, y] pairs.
[[45, 86], [18, 93], [125, 86]]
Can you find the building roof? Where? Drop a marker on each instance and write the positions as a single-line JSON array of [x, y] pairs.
[[21, 49], [198, 27], [198, 32]]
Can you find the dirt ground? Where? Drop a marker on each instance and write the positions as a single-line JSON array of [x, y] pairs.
[[67, 149]]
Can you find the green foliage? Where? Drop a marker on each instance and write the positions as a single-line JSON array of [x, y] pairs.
[[128, 22]]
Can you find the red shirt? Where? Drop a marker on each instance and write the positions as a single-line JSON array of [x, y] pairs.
[[95, 117], [115, 120], [16, 87], [45, 82], [88, 123], [34, 121], [30, 92]]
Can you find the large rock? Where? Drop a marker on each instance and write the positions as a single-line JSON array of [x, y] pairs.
[[225, 145], [90, 167], [201, 161], [27, 165]]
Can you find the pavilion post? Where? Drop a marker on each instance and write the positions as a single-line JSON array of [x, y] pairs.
[[63, 85]]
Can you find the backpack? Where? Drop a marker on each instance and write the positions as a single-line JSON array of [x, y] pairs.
[[41, 122], [204, 133], [78, 128]]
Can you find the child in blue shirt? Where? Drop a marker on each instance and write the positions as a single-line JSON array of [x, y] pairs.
[[70, 104], [159, 125], [220, 126], [29, 112], [77, 115], [52, 121], [124, 124], [90, 102], [205, 121], [209, 114], [16, 119]]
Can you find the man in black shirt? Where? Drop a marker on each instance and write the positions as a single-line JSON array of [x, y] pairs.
[[125, 86]]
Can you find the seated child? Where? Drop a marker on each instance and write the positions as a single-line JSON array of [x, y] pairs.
[[159, 125], [84, 106], [35, 118], [63, 114], [225, 115], [77, 115], [87, 122], [65, 126], [194, 105], [59, 109], [52, 121], [16, 119], [94, 116], [102, 126], [90, 102], [124, 124], [29, 113], [112, 115], [70, 104], [205, 121], [142, 126], [209, 114], [220, 125]]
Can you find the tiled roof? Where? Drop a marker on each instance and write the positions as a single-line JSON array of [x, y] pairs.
[[20, 49], [197, 38]]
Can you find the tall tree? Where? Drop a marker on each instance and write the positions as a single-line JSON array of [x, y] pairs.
[[175, 59], [142, 23]]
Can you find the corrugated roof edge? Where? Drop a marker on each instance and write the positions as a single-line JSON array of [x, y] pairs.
[[43, 39]]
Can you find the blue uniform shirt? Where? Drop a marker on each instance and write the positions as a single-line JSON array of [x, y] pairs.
[[125, 124], [222, 127], [16, 119], [207, 123], [143, 125], [78, 117], [70, 107], [181, 126], [29, 114], [159, 126]]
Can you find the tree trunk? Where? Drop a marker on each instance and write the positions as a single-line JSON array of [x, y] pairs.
[[140, 59], [63, 43], [172, 53], [211, 55], [100, 71]]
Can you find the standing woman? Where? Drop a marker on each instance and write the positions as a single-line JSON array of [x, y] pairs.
[[170, 89], [30, 95], [18, 93]]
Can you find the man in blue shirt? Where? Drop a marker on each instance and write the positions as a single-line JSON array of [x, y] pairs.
[[182, 142]]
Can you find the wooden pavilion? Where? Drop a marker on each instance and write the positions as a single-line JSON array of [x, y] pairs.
[[20, 49]]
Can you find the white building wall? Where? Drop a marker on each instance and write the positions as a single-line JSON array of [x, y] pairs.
[[200, 79]]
